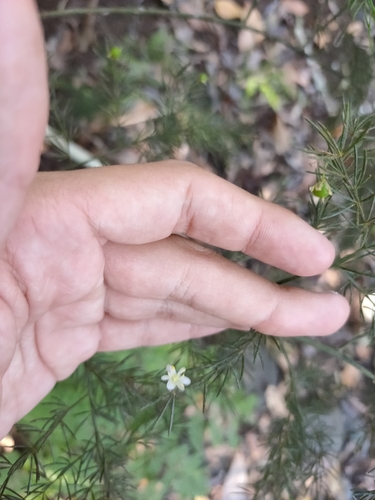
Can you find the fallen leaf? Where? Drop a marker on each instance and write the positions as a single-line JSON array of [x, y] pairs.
[[295, 7], [293, 75], [88, 35], [321, 39], [331, 278], [196, 7], [364, 352], [275, 402], [350, 376], [7, 444], [237, 477], [356, 28], [228, 9], [140, 113], [256, 448], [60, 46], [279, 134], [127, 156], [248, 39], [336, 485]]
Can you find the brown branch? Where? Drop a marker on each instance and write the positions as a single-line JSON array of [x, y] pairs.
[[135, 11]]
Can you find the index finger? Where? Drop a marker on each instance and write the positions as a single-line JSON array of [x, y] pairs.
[[143, 203]]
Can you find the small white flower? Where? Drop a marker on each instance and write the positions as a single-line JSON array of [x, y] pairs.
[[176, 379]]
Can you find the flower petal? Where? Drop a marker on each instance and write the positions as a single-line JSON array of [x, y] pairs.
[[181, 371], [165, 377], [171, 370], [180, 385], [170, 385], [185, 380]]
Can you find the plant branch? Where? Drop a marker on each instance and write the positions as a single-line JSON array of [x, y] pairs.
[[337, 354], [135, 11], [74, 151]]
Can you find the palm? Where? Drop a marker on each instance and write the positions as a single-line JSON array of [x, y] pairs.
[[56, 275]]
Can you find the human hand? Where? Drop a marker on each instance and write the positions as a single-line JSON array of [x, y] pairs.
[[96, 260]]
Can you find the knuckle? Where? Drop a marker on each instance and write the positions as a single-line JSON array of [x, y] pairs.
[[269, 323]]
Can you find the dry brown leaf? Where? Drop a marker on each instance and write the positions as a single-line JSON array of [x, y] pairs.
[[88, 35], [127, 156], [364, 352], [255, 21], [331, 278], [249, 39], [255, 447], [296, 75], [7, 444], [270, 190], [334, 479], [237, 478], [275, 402], [196, 7], [140, 113], [228, 9], [281, 136], [333, 26], [350, 376], [59, 46], [321, 39], [295, 7], [356, 28]]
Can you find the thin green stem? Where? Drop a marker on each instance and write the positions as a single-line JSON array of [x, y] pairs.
[[337, 354], [287, 279]]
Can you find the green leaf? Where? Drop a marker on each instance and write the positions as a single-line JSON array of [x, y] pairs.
[[252, 85], [272, 97]]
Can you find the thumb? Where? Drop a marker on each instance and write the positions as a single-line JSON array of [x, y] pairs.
[[23, 105]]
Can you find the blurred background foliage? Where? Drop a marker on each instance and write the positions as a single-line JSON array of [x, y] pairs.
[[276, 97]]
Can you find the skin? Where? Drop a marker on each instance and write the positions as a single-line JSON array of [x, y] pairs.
[[98, 260]]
